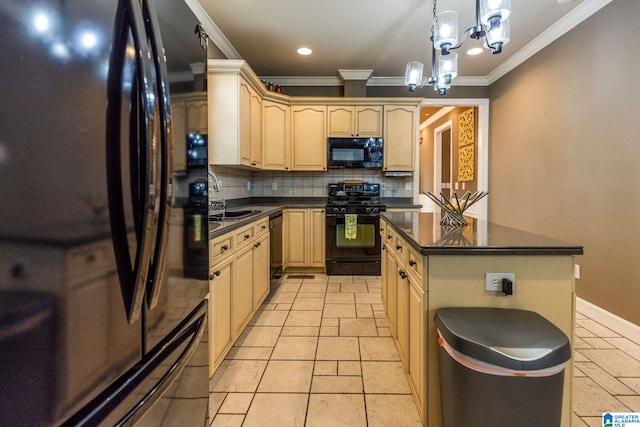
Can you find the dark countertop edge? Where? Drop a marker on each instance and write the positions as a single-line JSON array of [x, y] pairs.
[[488, 250]]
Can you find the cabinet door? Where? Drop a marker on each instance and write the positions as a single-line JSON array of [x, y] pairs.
[[399, 137], [261, 283], [220, 332], [308, 138], [294, 238], [317, 231], [341, 121], [368, 121], [196, 116], [416, 344], [256, 129], [245, 123], [242, 294], [179, 121], [276, 132]]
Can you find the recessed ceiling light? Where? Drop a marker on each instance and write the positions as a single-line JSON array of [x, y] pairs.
[[304, 51], [474, 51]]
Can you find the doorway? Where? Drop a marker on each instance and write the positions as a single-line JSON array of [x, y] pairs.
[[436, 162]]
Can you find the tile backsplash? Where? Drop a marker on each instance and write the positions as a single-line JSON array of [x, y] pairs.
[[240, 183]]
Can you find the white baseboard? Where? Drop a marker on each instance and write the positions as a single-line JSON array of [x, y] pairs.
[[610, 320]]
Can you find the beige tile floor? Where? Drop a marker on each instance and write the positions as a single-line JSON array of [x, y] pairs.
[[319, 353]]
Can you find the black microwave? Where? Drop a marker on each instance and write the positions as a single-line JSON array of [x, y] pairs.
[[354, 153], [197, 151]]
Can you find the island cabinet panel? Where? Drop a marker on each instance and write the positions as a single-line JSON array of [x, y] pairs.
[[304, 238], [220, 324], [309, 137], [428, 267]]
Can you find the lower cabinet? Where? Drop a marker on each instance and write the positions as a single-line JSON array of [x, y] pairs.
[[238, 284], [304, 238], [220, 332], [404, 300]]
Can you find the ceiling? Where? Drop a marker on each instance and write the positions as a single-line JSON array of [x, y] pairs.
[[378, 35]]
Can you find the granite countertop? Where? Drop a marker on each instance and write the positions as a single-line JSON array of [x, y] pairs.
[[424, 232]]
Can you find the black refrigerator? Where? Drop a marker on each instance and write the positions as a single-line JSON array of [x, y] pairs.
[[97, 325]]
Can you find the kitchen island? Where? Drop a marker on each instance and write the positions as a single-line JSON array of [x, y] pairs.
[[427, 266]]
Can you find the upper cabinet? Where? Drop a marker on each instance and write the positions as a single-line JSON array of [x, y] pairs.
[[250, 126], [235, 134], [276, 134], [354, 121], [400, 129], [309, 137]]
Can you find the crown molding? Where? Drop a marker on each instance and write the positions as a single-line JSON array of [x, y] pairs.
[[551, 34], [355, 74], [214, 33]]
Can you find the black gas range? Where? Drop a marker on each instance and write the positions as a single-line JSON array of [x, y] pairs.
[[353, 229], [354, 199]]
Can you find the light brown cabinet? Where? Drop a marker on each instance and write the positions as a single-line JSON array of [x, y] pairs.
[[304, 238], [309, 137], [276, 132], [400, 129], [196, 115], [250, 126], [354, 121], [220, 324], [238, 284]]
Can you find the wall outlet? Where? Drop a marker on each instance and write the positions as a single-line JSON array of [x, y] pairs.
[[493, 281], [576, 271], [408, 185], [274, 186], [248, 185]]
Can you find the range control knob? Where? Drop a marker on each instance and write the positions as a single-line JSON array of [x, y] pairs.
[[343, 210]]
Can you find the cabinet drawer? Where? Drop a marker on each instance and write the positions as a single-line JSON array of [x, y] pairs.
[[90, 261], [415, 263], [401, 248], [261, 226], [220, 247], [244, 235]]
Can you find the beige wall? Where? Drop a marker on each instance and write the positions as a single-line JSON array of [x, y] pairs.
[[565, 152]]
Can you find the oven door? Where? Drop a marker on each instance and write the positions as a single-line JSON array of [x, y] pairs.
[[353, 249]]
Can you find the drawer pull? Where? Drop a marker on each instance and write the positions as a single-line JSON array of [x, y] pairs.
[[214, 274], [389, 237], [257, 245], [412, 263], [224, 248], [398, 247], [246, 236], [263, 227], [402, 274]]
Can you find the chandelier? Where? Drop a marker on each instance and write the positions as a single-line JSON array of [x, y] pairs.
[[492, 24]]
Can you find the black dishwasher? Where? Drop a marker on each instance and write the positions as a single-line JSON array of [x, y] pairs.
[[275, 235]]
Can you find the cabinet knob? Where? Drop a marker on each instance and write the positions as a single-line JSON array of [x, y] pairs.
[[224, 248], [214, 274], [412, 263], [253, 163], [398, 247], [256, 245], [402, 274], [246, 236], [389, 237]]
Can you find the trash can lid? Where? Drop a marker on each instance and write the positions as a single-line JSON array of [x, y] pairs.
[[508, 338]]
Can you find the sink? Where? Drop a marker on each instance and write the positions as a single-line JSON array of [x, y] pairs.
[[234, 214]]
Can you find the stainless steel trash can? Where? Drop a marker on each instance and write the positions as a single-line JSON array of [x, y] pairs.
[[500, 367]]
